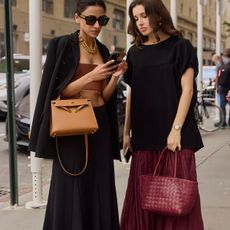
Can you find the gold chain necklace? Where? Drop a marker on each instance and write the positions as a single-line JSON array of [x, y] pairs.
[[90, 50]]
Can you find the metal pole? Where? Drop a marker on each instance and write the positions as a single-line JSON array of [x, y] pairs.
[[218, 38], [173, 11], [11, 104], [200, 43], [218, 27], [35, 9]]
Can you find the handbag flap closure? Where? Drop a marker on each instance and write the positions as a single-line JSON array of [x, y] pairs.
[[70, 102]]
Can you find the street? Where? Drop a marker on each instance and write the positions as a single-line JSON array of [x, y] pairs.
[[213, 176]]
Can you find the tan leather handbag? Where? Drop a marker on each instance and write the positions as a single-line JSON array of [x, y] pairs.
[[72, 117]]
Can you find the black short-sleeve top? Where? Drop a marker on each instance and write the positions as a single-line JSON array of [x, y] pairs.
[[154, 75]]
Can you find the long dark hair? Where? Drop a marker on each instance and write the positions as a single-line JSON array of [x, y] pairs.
[[159, 19], [81, 5]]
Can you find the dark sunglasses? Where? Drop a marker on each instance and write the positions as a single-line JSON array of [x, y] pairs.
[[91, 20]]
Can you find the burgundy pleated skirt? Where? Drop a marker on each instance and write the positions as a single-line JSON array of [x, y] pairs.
[[143, 162]]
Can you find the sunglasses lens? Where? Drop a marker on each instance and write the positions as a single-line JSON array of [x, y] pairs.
[[90, 20], [103, 20]]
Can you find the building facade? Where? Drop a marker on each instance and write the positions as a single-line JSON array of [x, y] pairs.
[[187, 23], [58, 19]]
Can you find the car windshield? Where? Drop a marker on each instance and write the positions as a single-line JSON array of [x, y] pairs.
[[209, 72], [20, 65]]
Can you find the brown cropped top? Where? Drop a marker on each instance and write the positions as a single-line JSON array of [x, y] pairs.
[[84, 69]]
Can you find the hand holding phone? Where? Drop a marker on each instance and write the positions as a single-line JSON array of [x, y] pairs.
[[117, 57]]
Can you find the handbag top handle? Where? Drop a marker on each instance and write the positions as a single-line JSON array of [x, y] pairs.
[[158, 162]]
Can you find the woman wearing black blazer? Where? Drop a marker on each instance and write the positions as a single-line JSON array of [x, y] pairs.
[[76, 67]]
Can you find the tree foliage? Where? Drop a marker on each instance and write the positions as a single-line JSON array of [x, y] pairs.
[[227, 25]]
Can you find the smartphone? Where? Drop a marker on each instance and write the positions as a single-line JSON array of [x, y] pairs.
[[117, 57], [128, 154]]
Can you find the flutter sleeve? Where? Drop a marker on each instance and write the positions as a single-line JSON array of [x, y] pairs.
[[186, 57]]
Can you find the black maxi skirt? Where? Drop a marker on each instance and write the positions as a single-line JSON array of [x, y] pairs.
[[88, 201]]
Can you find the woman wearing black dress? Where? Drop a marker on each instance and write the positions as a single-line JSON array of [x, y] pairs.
[[76, 67], [159, 113]]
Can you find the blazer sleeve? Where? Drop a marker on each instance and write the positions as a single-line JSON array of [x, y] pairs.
[[45, 82]]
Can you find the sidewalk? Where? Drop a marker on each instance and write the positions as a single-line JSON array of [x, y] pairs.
[[213, 169]]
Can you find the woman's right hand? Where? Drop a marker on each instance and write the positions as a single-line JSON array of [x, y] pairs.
[[103, 71], [126, 143]]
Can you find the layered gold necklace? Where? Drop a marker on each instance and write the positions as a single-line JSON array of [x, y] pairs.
[[91, 50]]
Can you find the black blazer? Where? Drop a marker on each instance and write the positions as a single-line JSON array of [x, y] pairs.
[[63, 57]]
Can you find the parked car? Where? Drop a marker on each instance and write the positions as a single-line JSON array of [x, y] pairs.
[[21, 81], [23, 118]]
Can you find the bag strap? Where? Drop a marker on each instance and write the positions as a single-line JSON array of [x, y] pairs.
[[175, 162], [86, 158]]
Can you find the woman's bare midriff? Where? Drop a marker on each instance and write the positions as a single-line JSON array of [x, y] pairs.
[[94, 96]]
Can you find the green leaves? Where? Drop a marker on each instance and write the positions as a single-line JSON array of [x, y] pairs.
[[227, 25]]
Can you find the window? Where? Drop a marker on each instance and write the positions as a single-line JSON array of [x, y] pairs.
[[209, 42], [13, 2], [190, 12], [181, 8], [118, 19], [47, 6], [69, 8], [115, 41], [213, 45], [45, 42], [2, 46]]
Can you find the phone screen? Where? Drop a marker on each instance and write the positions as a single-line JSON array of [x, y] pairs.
[[117, 57]]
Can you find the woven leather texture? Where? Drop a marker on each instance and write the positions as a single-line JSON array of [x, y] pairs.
[[167, 195]]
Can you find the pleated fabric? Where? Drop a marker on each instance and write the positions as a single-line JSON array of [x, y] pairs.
[[88, 201], [143, 162]]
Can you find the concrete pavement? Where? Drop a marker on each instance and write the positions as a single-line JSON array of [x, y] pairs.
[[213, 169]]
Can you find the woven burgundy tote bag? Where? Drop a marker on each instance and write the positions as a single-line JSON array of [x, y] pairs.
[[167, 195]]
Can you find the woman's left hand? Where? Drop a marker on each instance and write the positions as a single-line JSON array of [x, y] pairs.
[[228, 96], [121, 69], [174, 140]]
